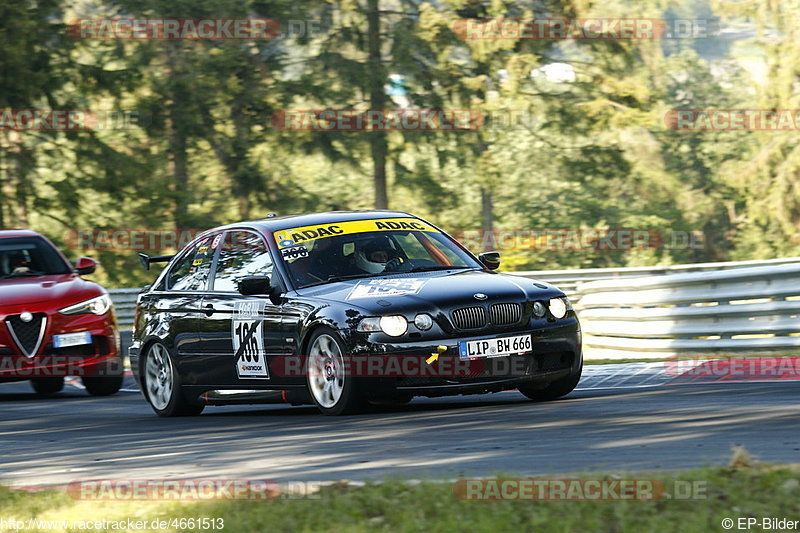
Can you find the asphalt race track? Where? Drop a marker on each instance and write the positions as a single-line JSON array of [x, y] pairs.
[[609, 423]]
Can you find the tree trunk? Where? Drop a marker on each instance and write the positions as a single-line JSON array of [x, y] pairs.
[[179, 167], [3, 179], [377, 101], [15, 183], [24, 165], [487, 219], [177, 140]]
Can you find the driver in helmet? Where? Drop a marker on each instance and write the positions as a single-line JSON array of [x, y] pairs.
[[377, 255]]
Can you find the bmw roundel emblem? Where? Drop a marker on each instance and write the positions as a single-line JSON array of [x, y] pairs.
[[479, 296], [26, 317]]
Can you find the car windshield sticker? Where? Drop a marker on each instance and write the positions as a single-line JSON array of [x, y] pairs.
[[216, 240], [289, 238], [294, 252], [375, 288], [247, 330]]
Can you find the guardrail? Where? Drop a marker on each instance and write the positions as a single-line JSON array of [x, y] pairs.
[[568, 280], [735, 311], [742, 307], [125, 305]]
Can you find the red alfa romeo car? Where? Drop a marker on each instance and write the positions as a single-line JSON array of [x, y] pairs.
[[53, 323]]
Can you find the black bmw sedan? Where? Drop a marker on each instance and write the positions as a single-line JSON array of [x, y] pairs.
[[344, 309]]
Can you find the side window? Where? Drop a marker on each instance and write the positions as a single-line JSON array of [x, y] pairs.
[[243, 254], [190, 273]]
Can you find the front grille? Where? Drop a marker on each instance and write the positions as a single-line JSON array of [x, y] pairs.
[[505, 314], [469, 318], [27, 335]]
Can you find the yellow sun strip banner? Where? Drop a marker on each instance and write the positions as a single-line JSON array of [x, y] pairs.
[[296, 236]]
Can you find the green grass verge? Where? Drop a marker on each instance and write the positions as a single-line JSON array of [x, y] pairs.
[[395, 506]]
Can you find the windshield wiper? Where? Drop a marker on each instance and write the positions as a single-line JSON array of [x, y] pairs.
[[332, 279], [440, 267]]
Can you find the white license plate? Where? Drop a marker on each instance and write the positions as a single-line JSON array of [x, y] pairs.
[[72, 339], [495, 347]]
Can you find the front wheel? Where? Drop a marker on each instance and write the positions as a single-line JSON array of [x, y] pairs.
[[333, 391], [557, 389], [162, 385], [102, 385]]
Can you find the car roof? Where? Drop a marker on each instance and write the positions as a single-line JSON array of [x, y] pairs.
[[275, 223], [18, 233]]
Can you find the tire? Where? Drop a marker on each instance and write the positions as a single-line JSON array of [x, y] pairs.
[[161, 384], [555, 390], [333, 392], [102, 385], [47, 386]]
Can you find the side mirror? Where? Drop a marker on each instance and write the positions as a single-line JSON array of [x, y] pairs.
[[85, 265], [255, 285], [490, 260]]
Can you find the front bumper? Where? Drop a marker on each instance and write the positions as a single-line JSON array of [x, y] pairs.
[[408, 367], [100, 358]]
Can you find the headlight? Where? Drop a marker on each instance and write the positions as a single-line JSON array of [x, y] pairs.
[[539, 309], [423, 321], [95, 306], [558, 307], [392, 325]]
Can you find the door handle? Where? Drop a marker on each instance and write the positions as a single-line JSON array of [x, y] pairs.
[[209, 310]]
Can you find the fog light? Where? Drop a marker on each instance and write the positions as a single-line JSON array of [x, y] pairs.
[[423, 321]]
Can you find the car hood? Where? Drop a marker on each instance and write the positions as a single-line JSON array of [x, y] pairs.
[[431, 291], [62, 290]]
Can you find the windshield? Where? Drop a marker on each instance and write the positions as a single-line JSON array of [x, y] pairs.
[[29, 256], [365, 248]]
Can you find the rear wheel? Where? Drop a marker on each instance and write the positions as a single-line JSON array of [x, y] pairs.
[[334, 392], [47, 386], [557, 389], [162, 385], [102, 385]]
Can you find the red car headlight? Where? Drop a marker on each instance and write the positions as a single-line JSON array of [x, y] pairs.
[[96, 306]]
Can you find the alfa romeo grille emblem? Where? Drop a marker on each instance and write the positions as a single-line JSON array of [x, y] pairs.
[[26, 317], [479, 296]]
